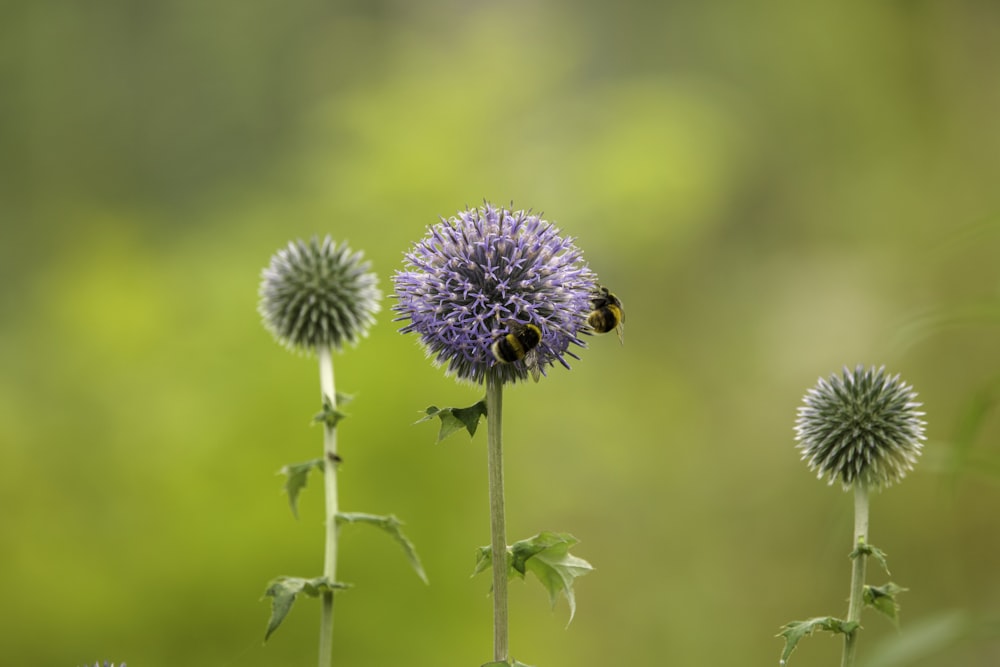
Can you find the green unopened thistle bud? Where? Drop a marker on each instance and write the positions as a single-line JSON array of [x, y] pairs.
[[861, 428], [318, 294]]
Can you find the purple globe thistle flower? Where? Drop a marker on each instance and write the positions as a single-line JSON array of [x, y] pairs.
[[318, 294], [476, 275], [861, 428]]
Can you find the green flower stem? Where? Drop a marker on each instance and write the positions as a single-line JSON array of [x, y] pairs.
[[858, 569], [498, 531], [330, 482]]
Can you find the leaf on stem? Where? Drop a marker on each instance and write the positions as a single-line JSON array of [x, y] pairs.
[[297, 475], [283, 590], [547, 556], [330, 415], [455, 419], [874, 552], [391, 525], [504, 663], [883, 600], [796, 630]]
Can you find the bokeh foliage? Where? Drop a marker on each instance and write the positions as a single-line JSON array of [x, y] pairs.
[[775, 189]]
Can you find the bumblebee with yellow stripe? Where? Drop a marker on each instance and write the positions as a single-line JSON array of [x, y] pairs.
[[607, 314], [520, 343]]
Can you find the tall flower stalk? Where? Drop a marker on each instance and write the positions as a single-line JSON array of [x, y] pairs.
[[498, 525], [859, 569], [495, 296], [315, 297], [863, 429], [330, 460]]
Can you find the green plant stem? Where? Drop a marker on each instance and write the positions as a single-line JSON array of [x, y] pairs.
[[498, 531], [858, 569], [330, 459]]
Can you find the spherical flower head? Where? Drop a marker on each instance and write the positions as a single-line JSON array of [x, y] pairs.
[[475, 275], [861, 427], [318, 294]]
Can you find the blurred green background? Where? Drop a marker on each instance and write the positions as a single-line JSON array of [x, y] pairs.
[[775, 189]]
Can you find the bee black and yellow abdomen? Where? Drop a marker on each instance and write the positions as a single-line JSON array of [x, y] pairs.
[[605, 319], [508, 349], [516, 344]]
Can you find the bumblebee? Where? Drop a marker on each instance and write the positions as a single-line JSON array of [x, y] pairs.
[[520, 343], [608, 314]]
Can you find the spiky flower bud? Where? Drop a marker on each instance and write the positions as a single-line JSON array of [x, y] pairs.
[[861, 427], [480, 275], [318, 294]]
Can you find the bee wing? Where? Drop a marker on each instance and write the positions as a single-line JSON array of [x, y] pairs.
[[620, 330], [531, 361]]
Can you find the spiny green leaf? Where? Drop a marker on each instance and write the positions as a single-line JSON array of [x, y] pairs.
[[391, 525], [874, 552], [297, 476], [880, 556], [330, 415], [454, 419], [522, 551], [283, 590], [484, 560], [547, 556], [796, 630], [883, 599], [555, 567]]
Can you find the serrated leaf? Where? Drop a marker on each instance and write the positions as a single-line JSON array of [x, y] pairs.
[[484, 558], [330, 415], [556, 568], [547, 556], [874, 552], [392, 526], [883, 600], [455, 419], [284, 590], [297, 474], [793, 632]]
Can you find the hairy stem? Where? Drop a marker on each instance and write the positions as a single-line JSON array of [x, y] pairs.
[[498, 531], [330, 459], [858, 569]]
